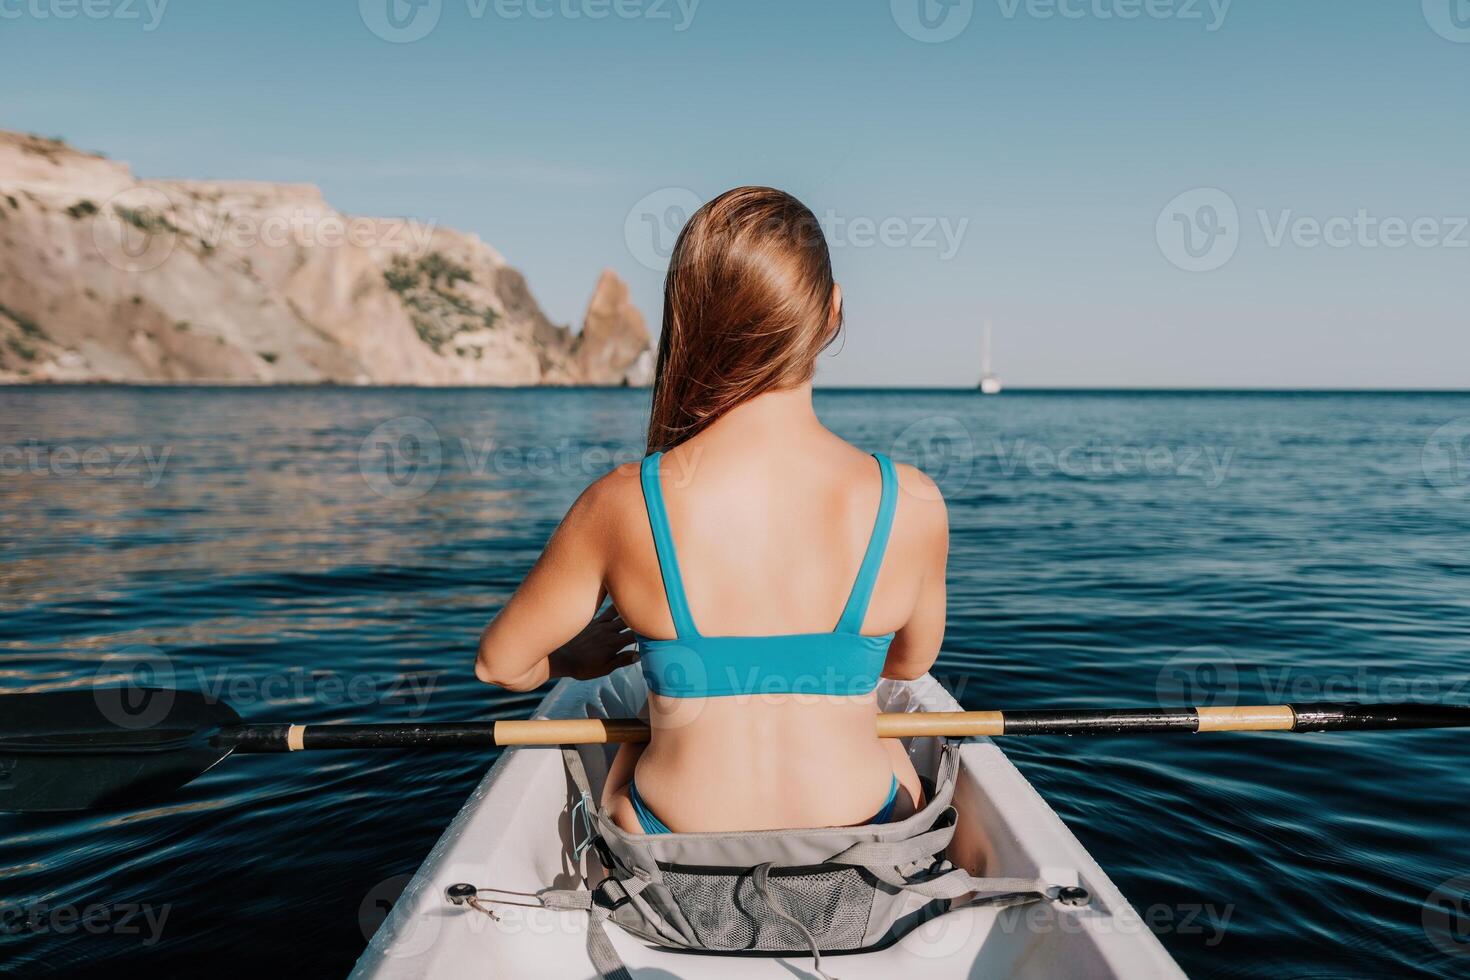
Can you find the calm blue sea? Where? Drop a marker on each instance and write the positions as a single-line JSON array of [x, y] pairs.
[[330, 555]]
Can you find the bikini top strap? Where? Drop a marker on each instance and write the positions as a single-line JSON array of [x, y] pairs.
[[862, 589], [663, 543]]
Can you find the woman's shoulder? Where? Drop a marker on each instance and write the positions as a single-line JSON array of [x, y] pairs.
[[921, 505], [609, 500], [917, 491], [915, 483], [920, 515]]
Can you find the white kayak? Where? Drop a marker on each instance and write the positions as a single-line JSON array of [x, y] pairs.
[[514, 834]]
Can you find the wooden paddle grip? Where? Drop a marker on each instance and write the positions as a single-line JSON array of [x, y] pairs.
[[568, 731], [599, 731]]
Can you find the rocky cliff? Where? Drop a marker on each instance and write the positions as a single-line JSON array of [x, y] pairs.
[[104, 277]]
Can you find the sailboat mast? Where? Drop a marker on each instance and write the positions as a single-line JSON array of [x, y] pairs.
[[989, 383]]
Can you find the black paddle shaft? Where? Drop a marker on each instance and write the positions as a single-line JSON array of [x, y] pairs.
[[111, 747], [288, 738], [1313, 717], [1351, 716]]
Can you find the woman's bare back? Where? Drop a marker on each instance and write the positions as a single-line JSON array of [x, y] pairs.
[[771, 515]]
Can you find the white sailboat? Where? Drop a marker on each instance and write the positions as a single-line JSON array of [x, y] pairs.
[[989, 383]]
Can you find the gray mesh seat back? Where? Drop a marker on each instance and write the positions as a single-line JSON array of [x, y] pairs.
[[825, 889], [783, 891]]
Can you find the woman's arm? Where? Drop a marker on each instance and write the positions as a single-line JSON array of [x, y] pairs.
[[550, 627], [916, 644]]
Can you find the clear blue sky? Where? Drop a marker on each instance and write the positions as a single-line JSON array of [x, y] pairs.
[[1048, 136]]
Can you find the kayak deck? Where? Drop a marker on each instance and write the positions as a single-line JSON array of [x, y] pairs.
[[514, 833]]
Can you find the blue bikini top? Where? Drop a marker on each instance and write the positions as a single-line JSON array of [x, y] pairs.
[[843, 662]]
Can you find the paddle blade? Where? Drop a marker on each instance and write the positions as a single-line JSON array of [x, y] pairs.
[[104, 747]]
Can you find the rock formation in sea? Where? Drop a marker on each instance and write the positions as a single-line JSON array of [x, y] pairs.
[[105, 277]]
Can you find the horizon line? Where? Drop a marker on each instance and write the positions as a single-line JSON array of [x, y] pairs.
[[972, 389]]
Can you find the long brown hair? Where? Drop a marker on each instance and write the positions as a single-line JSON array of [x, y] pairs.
[[747, 309]]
